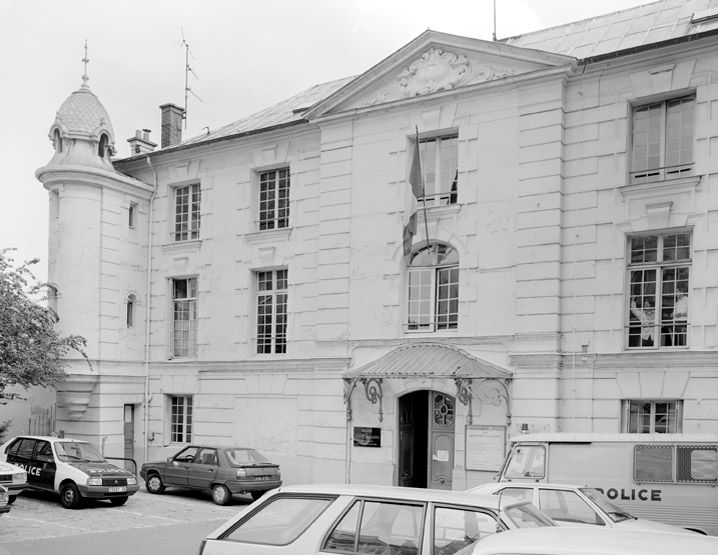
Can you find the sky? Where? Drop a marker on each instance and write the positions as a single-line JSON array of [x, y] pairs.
[[244, 56]]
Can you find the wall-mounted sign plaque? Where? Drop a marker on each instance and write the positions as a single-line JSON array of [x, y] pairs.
[[367, 437]]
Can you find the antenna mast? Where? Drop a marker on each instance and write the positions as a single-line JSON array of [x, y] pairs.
[[187, 70], [494, 21]]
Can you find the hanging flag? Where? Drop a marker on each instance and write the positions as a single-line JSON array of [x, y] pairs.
[[409, 232], [416, 180]]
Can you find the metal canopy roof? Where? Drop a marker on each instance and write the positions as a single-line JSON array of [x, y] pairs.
[[429, 361]]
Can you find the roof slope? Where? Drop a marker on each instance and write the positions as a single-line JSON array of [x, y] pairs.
[[285, 112], [646, 24]]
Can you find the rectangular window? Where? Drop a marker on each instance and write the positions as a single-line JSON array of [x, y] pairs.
[[181, 419], [131, 214], [652, 417], [271, 311], [658, 272], [440, 169], [662, 140], [184, 309], [187, 201], [676, 463], [274, 199]]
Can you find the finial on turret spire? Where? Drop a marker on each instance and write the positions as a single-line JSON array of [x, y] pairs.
[[85, 77]]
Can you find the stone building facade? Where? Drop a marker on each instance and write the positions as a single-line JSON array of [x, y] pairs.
[[283, 282]]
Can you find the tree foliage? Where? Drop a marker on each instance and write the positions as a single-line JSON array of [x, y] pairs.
[[32, 353]]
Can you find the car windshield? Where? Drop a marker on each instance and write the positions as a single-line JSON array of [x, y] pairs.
[[74, 451], [616, 513], [245, 457], [526, 515]]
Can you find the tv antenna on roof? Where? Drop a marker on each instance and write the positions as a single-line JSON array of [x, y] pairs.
[[187, 70]]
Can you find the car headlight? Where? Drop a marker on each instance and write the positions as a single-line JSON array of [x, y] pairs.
[[131, 481], [94, 481], [241, 473], [19, 477]]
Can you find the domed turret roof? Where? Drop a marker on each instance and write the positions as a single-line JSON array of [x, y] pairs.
[[83, 113]]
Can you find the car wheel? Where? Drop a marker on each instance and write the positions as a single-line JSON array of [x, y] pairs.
[[11, 499], [117, 501], [154, 484], [69, 496], [256, 494], [220, 494]]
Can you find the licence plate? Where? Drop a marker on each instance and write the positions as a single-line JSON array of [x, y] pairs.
[[117, 489]]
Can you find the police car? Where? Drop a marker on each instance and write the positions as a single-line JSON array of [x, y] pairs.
[[73, 468]]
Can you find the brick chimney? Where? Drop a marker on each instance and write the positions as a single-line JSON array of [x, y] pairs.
[[140, 143], [172, 116]]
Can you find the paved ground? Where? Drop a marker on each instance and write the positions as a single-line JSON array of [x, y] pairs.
[[37, 516]]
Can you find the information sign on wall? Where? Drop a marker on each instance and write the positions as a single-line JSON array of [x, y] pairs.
[[367, 437], [485, 447]]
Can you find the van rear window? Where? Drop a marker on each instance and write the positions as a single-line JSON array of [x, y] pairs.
[[676, 463]]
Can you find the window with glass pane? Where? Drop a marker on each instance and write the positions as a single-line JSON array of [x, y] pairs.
[[181, 419], [658, 274], [456, 528], [274, 199], [440, 169], [184, 309], [433, 302], [567, 506], [187, 200], [279, 522], [662, 140], [648, 417], [271, 311]]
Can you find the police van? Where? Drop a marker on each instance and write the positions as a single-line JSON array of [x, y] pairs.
[[73, 468], [672, 478]]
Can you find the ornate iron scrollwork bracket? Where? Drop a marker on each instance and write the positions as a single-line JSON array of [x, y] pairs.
[[465, 394], [374, 393], [349, 385]]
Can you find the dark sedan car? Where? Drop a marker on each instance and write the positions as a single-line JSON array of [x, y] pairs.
[[224, 471]]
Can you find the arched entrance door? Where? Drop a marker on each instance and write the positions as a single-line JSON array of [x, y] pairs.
[[426, 439]]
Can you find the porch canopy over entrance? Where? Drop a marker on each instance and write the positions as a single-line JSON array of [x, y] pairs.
[[426, 360]]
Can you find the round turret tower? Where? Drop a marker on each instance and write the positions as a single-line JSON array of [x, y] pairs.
[[97, 247]]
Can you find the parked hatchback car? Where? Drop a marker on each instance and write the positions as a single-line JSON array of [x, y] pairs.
[[14, 479], [343, 518], [71, 467], [225, 471], [592, 541], [571, 505]]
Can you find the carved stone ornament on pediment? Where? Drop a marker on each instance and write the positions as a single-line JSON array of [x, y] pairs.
[[436, 70]]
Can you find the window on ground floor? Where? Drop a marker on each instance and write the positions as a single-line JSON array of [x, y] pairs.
[[180, 418]]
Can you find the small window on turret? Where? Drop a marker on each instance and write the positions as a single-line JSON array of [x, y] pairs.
[[102, 147], [57, 141]]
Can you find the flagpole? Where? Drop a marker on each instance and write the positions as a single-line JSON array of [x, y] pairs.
[[423, 190]]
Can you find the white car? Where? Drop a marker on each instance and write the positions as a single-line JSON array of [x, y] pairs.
[[313, 519], [14, 478], [73, 468], [569, 505], [591, 541]]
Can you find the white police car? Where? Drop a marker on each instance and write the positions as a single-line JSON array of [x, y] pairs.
[[73, 468]]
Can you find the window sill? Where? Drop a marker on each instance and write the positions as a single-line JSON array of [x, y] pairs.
[[269, 235], [183, 246], [652, 188], [437, 212]]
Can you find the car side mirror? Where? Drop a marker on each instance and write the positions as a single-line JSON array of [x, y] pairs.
[[169, 459]]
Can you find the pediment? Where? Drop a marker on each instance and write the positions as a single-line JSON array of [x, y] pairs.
[[436, 62]]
